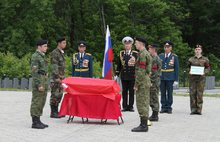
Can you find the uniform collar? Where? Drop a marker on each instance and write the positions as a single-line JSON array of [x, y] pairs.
[[41, 53], [168, 54]]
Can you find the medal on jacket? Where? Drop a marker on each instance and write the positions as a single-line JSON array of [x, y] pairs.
[[171, 63], [131, 61], [75, 60], [85, 63]]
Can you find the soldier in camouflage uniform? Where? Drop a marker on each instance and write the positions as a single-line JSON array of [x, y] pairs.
[[39, 72], [58, 67], [155, 82], [197, 82], [142, 84]]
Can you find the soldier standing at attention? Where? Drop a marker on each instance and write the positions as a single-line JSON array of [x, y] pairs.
[[82, 62], [126, 70], [169, 74], [197, 81], [58, 67], [39, 72], [155, 82], [142, 83]]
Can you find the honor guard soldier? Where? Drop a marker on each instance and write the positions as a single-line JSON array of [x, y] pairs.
[[142, 83], [155, 82], [58, 68], [126, 71], [39, 72], [197, 81], [82, 62], [169, 74]]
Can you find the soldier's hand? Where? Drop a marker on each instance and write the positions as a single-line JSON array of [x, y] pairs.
[[135, 88], [41, 88]]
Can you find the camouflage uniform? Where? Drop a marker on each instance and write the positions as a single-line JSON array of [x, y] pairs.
[[142, 83], [197, 83], [155, 83], [58, 67], [39, 72]]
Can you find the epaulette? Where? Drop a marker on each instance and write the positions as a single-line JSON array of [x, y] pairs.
[[134, 51], [88, 54], [161, 54], [174, 54]]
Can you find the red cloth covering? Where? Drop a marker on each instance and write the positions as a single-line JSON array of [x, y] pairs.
[[91, 98]]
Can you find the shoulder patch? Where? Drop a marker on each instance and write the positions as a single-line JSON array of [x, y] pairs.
[[89, 54], [174, 54], [134, 51]]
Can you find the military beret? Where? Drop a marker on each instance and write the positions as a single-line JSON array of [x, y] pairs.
[[153, 46], [82, 43], [168, 43], [141, 39], [60, 39], [41, 42], [127, 39]]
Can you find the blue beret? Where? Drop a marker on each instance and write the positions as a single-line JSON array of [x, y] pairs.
[[41, 42]]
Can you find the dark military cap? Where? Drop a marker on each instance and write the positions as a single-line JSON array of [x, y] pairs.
[[41, 42], [82, 43], [141, 39], [168, 43], [60, 39], [198, 46], [153, 46]]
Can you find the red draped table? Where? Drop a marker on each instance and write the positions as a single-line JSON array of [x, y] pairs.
[[91, 98]]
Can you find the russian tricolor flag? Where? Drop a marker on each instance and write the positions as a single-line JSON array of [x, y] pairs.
[[108, 57]]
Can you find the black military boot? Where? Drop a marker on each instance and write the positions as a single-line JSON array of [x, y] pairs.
[[143, 127], [54, 112], [154, 116], [45, 125], [36, 123]]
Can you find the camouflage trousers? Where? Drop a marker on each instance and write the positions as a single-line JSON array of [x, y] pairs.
[[143, 98], [197, 84], [38, 102], [56, 93], [154, 97]]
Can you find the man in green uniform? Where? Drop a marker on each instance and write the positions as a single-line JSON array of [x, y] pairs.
[[142, 83], [39, 72], [155, 82], [58, 67], [197, 81]]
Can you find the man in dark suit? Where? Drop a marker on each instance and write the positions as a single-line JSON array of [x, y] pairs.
[[82, 62], [126, 70], [169, 74]]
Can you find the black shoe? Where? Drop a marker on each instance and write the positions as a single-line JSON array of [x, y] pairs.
[[154, 116], [124, 109], [54, 112], [143, 127], [163, 111], [131, 109], [36, 124], [169, 111], [192, 113], [45, 125]]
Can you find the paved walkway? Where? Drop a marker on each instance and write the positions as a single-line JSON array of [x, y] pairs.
[[15, 124]]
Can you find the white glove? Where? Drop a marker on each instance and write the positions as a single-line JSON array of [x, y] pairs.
[[175, 83], [115, 77]]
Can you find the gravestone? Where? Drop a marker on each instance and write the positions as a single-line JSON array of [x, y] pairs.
[[15, 83], [7, 83], [24, 83], [30, 83]]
